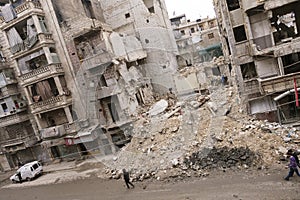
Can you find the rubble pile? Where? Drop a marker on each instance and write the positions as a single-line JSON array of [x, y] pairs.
[[201, 133]]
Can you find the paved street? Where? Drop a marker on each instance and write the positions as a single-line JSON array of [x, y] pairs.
[[257, 185]]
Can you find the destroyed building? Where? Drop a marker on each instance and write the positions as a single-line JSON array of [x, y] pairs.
[[198, 41], [200, 61], [73, 74], [262, 37]]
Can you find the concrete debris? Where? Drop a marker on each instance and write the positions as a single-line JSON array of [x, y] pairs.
[[158, 107], [201, 133]]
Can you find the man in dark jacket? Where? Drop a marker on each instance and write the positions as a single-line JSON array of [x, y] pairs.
[[127, 179]]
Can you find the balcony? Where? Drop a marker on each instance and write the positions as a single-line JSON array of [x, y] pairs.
[[8, 90], [15, 118], [19, 143], [31, 45], [58, 131], [104, 92], [279, 83], [41, 74], [22, 11], [51, 104]]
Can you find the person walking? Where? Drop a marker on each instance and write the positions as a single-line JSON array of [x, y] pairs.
[[127, 179], [292, 165]]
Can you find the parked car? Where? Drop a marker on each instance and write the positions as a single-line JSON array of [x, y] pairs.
[[27, 172]]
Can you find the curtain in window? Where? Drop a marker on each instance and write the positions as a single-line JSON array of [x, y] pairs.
[[44, 90], [15, 40], [31, 33]]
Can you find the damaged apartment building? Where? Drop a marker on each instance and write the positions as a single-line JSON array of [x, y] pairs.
[[200, 58], [73, 74], [198, 41], [264, 45]]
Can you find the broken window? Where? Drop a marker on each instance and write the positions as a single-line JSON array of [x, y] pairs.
[[127, 15], [291, 63], [89, 44], [150, 5], [248, 71], [239, 33], [233, 4], [88, 8], [192, 30], [216, 71], [210, 35], [22, 36], [286, 22]]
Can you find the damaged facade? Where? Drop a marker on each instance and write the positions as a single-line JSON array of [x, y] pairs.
[[74, 74], [263, 42], [198, 41], [200, 60]]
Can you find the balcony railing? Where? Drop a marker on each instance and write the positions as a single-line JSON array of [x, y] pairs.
[[26, 6], [251, 87], [58, 131], [11, 119], [41, 73], [54, 102], [279, 83], [27, 140]]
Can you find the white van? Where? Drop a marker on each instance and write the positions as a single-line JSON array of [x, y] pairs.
[[28, 172]]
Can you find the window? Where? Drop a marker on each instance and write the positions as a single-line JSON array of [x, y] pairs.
[[233, 4], [88, 8], [43, 24], [151, 9], [182, 32], [192, 30], [127, 15], [248, 71], [4, 107], [210, 35], [239, 33]]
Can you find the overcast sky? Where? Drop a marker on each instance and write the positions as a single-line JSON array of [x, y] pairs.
[[194, 9]]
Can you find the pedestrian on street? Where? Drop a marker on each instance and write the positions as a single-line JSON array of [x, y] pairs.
[[295, 154], [20, 177], [127, 179], [292, 165]]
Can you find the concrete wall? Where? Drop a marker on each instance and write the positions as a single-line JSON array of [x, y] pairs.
[[153, 30]]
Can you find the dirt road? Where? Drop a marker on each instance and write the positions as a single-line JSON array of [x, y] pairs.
[[229, 185]]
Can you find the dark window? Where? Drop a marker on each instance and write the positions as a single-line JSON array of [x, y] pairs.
[[4, 107], [151, 9], [248, 71], [192, 30], [239, 33], [291, 63], [210, 36], [88, 8], [216, 71], [127, 15], [233, 4], [182, 32]]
